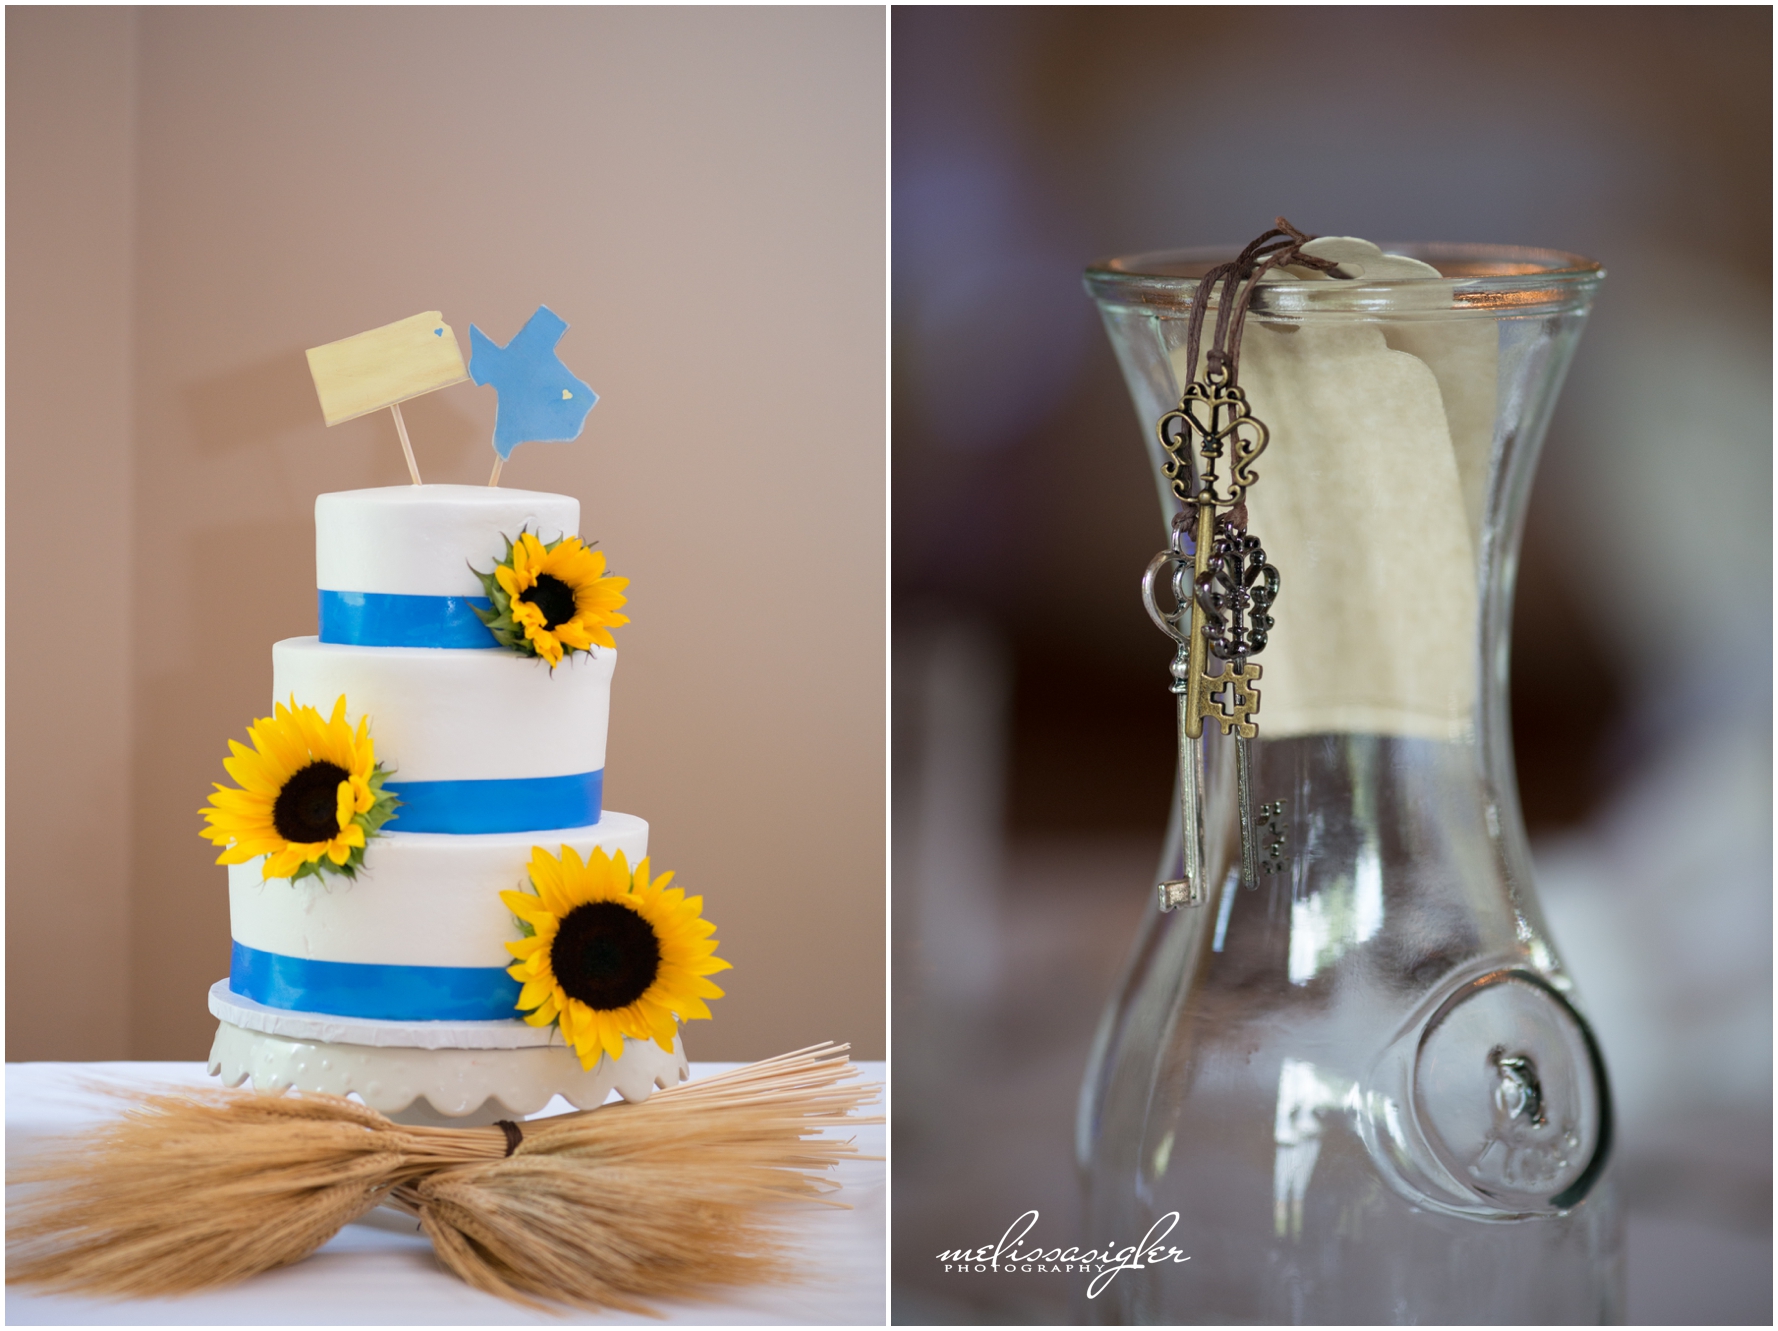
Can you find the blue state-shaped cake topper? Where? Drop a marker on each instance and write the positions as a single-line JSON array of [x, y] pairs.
[[539, 401]]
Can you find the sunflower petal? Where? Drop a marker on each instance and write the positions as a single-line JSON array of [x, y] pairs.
[[534, 992], [574, 634], [545, 643], [253, 772], [613, 1042], [286, 861]]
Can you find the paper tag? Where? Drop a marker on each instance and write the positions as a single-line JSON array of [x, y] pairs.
[[1369, 502], [369, 371]]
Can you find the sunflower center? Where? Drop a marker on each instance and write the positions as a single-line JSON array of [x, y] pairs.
[[554, 597], [605, 955], [307, 810]]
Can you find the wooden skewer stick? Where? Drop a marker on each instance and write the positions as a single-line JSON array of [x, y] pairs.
[[499, 462], [407, 449]]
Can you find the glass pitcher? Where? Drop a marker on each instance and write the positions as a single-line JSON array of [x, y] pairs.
[[1361, 1090]]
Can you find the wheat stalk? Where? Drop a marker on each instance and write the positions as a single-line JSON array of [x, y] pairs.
[[192, 1190]]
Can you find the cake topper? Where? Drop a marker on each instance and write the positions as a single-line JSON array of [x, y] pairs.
[[384, 368], [539, 400]]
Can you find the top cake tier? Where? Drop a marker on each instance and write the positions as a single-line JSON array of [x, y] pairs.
[[394, 565]]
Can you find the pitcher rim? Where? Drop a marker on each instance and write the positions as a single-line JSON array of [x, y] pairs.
[[1476, 274]]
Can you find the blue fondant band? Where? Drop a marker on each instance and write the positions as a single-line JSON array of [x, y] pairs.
[[525, 804], [386, 993], [387, 619]]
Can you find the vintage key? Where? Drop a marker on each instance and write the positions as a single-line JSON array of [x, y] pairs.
[[1234, 591], [1221, 605], [1232, 587], [1277, 833], [1221, 599], [1188, 889]]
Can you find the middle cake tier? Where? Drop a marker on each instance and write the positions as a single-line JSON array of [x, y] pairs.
[[474, 741]]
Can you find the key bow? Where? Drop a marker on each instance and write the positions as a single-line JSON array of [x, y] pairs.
[[1236, 591], [1212, 414], [1176, 625]]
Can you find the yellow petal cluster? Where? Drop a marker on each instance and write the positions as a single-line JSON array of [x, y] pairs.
[[284, 744], [687, 951], [582, 570]]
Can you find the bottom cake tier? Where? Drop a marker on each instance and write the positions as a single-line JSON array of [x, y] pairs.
[[418, 936], [462, 1073]]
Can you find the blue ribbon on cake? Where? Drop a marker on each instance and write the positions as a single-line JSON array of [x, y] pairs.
[[385, 993], [391, 619], [518, 804]]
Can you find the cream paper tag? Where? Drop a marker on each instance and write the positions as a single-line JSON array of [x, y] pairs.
[[1369, 511], [1463, 355], [1465, 359]]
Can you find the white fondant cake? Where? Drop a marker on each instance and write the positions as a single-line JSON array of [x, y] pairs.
[[393, 983], [420, 540], [457, 715], [422, 899], [322, 1028]]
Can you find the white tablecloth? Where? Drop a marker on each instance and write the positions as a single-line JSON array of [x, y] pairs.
[[379, 1271]]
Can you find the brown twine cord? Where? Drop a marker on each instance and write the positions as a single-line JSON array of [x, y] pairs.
[[514, 1135], [1277, 247]]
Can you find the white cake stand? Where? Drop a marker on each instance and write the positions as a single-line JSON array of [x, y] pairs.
[[449, 1073]]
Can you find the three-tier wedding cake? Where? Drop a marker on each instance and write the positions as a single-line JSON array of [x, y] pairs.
[[429, 903]]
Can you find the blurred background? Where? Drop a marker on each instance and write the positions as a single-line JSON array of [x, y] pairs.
[[1032, 742], [194, 197]]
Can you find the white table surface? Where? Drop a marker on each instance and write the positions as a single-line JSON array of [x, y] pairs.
[[379, 1271]]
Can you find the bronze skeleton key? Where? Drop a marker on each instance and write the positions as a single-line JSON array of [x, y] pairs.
[[1234, 591], [1182, 626], [1222, 592]]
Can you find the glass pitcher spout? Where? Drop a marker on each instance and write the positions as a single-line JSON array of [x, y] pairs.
[[1363, 1083]]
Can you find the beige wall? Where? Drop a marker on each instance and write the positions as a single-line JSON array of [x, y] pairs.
[[70, 516], [700, 193]]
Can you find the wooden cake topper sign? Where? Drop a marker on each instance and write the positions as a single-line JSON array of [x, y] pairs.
[[384, 368], [540, 400]]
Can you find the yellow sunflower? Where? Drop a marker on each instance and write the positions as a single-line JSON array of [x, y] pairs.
[[311, 792], [611, 953], [550, 597]]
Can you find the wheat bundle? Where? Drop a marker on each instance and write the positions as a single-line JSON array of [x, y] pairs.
[[195, 1189]]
